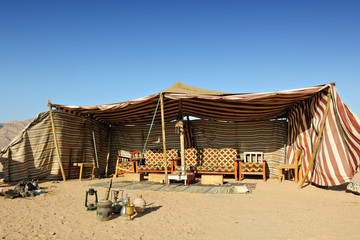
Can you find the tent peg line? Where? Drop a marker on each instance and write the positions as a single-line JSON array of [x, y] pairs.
[[147, 138]]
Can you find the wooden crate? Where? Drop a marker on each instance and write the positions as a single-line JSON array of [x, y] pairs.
[[133, 176], [156, 177], [212, 179]]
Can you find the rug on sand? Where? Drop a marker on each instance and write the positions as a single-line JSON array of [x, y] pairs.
[[229, 188]]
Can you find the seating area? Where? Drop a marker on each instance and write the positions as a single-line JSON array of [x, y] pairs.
[[219, 161], [208, 161]]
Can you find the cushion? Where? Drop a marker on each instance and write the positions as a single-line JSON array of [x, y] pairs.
[[210, 156], [227, 157], [251, 167], [190, 157], [216, 168], [152, 167], [156, 156], [125, 166]]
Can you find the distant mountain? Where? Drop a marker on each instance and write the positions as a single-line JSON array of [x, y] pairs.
[[11, 129]]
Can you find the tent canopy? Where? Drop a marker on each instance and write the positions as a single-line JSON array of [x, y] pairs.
[[198, 102]]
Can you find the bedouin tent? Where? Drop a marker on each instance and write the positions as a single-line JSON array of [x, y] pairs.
[[313, 119]]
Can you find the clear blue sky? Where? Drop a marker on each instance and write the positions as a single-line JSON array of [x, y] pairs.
[[96, 52]]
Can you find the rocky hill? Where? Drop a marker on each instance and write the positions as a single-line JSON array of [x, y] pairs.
[[9, 130]]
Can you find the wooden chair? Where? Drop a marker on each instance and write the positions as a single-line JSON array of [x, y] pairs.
[[253, 164], [295, 167], [126, 164]]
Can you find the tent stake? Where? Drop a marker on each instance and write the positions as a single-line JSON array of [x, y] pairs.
[[55, 140], [317, 140], [163, 135]]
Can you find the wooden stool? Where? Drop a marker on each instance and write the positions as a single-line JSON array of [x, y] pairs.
[[82, 165]]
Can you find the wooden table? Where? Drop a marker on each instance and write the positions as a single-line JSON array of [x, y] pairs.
[[82, 165], [188, 177]]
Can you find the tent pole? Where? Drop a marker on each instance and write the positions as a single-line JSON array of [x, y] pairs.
[[55, 140], [317, 140], [108, 154], [182, 141], [94, 143], [163, 135]]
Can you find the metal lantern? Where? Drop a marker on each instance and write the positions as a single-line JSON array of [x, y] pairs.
[[91, 205]]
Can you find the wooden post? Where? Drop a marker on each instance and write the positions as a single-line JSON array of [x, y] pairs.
[[164, 139], [70, 163], [182, 141], [317, 140], [55, 140], [94, 144], [108, 154]]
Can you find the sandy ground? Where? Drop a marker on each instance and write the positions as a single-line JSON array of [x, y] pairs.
[[273, 211]]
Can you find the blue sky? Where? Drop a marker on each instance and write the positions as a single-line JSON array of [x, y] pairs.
[[96, 52]]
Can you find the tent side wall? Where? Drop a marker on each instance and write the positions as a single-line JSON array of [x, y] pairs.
[[266, 136], [338, 156], [33, 156]]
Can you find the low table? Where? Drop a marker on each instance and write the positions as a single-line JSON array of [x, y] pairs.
[[137, 177], [188, 177], [212, 179]]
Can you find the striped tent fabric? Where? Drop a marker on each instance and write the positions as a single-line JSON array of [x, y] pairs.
[[276, 123], [197, 103], [32, 154], [338, 156]]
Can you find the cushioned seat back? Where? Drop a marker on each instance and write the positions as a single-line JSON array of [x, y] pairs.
[[209, 157], [191, 157], [227, 157], [156, 156], [171, 155]]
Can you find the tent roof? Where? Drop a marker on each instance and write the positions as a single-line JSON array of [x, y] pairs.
[[198, 102], [180, 87]]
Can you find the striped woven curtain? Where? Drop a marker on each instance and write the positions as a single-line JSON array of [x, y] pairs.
[[338, 156]]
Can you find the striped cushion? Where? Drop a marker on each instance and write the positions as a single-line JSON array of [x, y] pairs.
[[152, 167], [125, 166], [216, 168], [252, 167]]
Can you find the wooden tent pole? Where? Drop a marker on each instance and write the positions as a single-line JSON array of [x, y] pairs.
[[55, 140], [317, 140], [163, 135], [182, 141], [94, 144], [108, 153]]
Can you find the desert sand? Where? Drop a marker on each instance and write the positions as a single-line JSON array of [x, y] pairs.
[[272, 211]]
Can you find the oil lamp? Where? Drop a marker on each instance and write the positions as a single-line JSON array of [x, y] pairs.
[[91, 204]]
